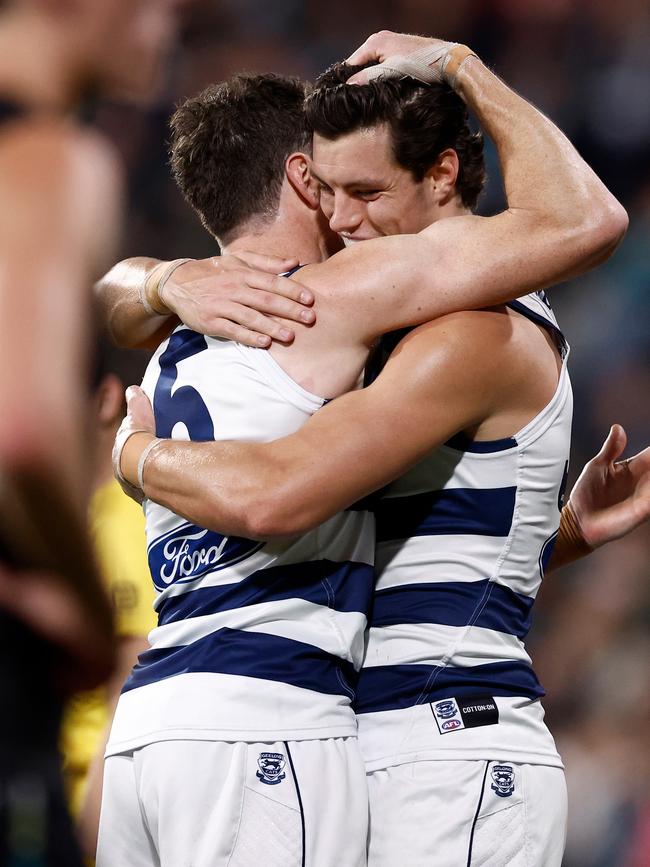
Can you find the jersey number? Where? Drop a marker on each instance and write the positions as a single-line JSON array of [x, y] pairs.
[[185, 404]]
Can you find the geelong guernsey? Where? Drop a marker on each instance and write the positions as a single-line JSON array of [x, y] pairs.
[[255, 640], [462, 542]]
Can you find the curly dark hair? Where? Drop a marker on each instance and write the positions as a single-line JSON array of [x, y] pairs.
[[229, 145], [424, 120]]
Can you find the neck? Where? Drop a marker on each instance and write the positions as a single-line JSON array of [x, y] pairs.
[[40, 64], [287, 239]]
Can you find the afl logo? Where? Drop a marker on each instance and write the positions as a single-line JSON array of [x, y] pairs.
[[189, 552], [450, 724]]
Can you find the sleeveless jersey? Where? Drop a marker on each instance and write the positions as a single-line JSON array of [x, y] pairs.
[[255, 640], [462, 542]]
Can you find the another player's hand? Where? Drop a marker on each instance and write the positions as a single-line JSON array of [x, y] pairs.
[[386, 48], [612, 497], [237, 297]]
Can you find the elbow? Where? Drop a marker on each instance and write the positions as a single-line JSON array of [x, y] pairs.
[[276, 516], [602, 231], [611, 225]]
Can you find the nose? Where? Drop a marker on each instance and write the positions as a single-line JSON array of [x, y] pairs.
[[346, 215]]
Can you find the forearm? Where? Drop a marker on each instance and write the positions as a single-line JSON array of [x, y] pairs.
[[542, 171], [127, 320], [227, 487]]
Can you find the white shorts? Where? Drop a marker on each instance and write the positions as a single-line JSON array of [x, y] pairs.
[[217, 804], [462, 813]]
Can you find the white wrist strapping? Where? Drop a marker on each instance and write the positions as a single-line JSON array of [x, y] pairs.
[[118, 447], [427, 64], [146, 452]]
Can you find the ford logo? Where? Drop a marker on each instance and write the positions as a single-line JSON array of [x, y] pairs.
[[189, 552]]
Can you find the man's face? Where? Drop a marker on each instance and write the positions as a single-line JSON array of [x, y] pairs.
[[364, 192]]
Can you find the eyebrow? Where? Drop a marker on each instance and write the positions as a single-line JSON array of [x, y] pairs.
[[357, 182]]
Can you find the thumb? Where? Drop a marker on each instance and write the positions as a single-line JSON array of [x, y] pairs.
[[614, 445], [132, 393]]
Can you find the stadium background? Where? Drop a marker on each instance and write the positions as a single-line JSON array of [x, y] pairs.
[[587, 65]]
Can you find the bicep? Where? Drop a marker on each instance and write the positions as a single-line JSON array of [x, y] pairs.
[[366, 439]]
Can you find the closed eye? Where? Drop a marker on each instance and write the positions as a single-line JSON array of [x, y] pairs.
[[368, 195]]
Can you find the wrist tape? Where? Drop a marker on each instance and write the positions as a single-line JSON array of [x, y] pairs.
[[146, 452], [120, 441], [150, 290], [571, 532]]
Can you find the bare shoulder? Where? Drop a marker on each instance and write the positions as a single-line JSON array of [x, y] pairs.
[[495, 359]]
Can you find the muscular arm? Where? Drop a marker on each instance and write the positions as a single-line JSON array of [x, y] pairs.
[[435, 384], [118, 295], [560, 221]]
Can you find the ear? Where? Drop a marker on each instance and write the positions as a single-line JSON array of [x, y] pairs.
[[298, 175], [111, 404], [443, 175]]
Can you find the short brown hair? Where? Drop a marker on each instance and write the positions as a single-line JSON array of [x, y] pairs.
[[229, 145], [424, 120]]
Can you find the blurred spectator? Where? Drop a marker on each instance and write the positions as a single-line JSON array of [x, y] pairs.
[[118, 533]]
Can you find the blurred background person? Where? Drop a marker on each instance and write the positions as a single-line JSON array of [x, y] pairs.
[[118, 535], [61, 190]]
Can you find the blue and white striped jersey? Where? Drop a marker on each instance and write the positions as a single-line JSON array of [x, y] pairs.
[[462, 542], [255, 640]]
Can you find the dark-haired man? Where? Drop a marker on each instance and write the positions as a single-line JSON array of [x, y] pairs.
[[218, 671]]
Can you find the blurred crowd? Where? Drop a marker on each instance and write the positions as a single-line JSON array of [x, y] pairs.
[[586, 63]]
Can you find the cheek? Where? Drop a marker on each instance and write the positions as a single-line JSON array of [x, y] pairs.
[[326, 204]]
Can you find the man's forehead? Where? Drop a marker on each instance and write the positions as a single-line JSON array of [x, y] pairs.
[[365, 151]]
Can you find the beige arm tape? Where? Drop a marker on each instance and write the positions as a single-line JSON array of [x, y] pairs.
[[428, 64], [150, 291]]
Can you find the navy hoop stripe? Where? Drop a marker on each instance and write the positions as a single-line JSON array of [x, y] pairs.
[[390, 687], [251, 654], [457, 511], [340, 586], [455, 603]]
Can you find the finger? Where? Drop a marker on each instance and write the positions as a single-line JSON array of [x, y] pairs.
[[281, 286], [275, 305], [362, 77], [253, 320], [132, 393], [135, 396], [614, 445], [241, 334], [372, 51], [270, 264]]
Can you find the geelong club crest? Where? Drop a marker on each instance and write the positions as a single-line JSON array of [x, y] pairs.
[[271, 768], [503, 777]]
